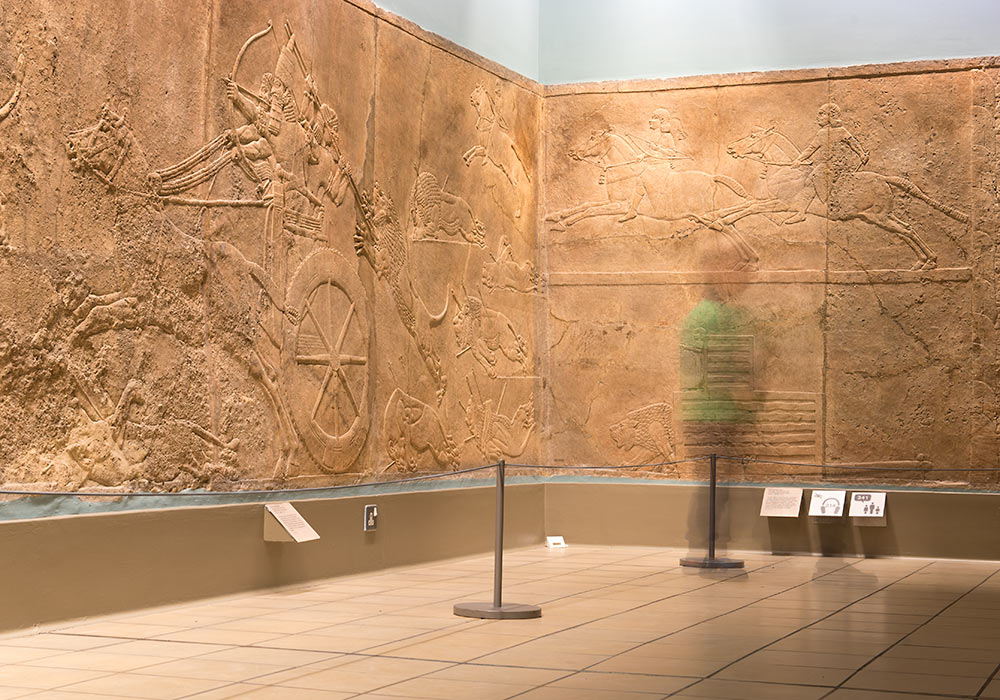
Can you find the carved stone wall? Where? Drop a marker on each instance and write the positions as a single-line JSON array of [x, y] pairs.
[[272, 244], [794, 267], [259, 244]]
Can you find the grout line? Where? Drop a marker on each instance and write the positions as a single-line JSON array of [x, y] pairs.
[[920, 626], [675, 595], [825, 617]]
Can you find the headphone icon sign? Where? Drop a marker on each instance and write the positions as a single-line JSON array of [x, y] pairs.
[[830, 503]]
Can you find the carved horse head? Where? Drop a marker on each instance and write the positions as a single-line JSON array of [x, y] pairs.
[[764, 145], [596, 147], [754, 145], [486, 104]]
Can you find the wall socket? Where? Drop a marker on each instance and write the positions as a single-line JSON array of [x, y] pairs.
[[371, 518]]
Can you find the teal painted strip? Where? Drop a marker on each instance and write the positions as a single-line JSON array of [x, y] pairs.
[[60, 506]]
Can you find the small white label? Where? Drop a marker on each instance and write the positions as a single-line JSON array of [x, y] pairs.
[[829, 504], [868, 504], [290, 519], [555, 541], [781, 503]]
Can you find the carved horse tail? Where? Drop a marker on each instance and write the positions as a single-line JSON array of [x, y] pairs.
[[436, 319], [433, 320], [8, 106], [731, 184], [908, 187]]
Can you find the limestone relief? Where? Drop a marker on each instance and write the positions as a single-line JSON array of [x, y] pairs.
[[640, 179], [495, 147], [496, 433], [490, 336], [437, 214], [415, 436], [826, 179], [385, 246], [504, 272], [308, 346], [5, 111], [647, 434]]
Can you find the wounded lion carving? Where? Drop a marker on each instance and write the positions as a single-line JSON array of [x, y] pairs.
[[649, 428], [413, 428], [434, 211]]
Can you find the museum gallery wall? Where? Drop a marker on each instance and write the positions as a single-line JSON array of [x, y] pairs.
[[274, 245]]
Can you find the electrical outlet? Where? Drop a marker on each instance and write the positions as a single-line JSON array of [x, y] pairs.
[[371, 518]]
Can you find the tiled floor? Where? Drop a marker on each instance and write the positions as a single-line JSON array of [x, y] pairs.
[[623, 622]]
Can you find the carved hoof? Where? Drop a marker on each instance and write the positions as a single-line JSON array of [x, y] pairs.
[[928, 264]]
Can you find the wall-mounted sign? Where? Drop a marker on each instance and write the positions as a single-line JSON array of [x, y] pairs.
[[827, 503], [282, 523], [781, 503], [867, 504]]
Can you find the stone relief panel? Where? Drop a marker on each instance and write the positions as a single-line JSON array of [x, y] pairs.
[[860, 247], [454, 157], [308, 247], [209, 284]]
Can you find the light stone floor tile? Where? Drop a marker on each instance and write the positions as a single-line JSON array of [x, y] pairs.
[[7, 692], [33, 677], [255, 692], [135, 685], [618, 622], [213, 670], [106, 660]]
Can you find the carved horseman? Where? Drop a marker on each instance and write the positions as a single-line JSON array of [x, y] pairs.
[[833, 153]]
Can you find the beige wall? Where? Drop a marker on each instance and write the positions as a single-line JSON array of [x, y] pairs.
[[373, 253], [732, 271], [323, 272]]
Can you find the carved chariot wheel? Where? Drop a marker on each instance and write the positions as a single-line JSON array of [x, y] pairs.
[[326, 368]]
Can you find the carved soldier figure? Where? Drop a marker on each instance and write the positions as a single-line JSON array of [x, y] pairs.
[[668, 131], [252, 137], [831, 154]]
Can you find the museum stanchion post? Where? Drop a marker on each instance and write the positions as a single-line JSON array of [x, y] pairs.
[[497, 609], [711, 561]]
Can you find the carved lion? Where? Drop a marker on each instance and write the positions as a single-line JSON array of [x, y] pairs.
[[650, 428]]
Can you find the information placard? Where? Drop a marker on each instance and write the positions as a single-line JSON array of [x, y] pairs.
[[867, 504], [292, 522], [829, 504], [781, 502]]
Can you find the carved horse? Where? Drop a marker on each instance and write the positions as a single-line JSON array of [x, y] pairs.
[[108, 151], [495, 145], [864, 195], [663, 194]]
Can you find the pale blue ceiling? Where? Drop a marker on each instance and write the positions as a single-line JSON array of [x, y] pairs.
[[557, 41]]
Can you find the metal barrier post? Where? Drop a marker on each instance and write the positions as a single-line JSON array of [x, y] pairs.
[[711, 561], [497, 610]]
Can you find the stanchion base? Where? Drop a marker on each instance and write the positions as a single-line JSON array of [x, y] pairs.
[[713, 563], [507, 611]]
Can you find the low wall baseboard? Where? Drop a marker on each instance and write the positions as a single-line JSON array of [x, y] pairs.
[[79, 566], [71, 567], [935, 524]]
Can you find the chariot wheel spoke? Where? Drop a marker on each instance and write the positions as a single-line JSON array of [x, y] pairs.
[[315, 359], [319, 327], [343, 330], [347, 389], [322, 391]]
